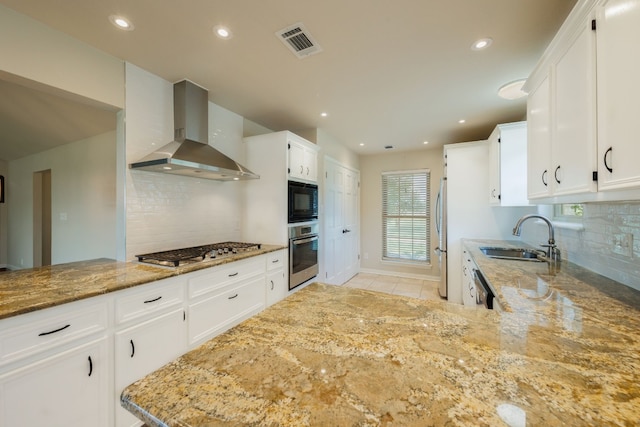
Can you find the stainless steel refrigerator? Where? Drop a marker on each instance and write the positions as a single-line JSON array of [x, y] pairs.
[[462, 211]]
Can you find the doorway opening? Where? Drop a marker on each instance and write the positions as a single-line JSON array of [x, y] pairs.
[[42, 218]]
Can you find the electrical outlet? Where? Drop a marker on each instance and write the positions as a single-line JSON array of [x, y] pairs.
[[623, 244]]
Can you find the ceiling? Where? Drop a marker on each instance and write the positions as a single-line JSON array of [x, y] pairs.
[[394, 73]]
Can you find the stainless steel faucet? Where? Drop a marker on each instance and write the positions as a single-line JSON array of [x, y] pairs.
[[553, 253]]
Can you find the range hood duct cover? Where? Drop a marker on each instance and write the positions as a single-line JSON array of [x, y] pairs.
[[190, 154]]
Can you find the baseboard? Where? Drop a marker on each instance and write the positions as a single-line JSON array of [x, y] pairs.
[[398, 274]]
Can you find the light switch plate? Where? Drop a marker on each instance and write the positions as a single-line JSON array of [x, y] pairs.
[[623, 244]]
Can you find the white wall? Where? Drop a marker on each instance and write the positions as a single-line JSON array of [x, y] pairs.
[[371, 168], [171, 211], [83, 189]]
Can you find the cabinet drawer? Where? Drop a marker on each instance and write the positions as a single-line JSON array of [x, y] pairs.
[[275, 260], [148, 299], [231, 305], [42, 330], [227, 274]]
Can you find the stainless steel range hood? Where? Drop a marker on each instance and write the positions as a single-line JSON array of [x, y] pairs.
[[190, 154]]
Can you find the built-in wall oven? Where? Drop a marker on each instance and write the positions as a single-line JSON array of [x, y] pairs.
[[303, 253], [303, 202]]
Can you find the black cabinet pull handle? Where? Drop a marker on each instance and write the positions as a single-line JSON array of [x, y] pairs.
[[41, 334], [234, 274], [90, 366], [133, 348], [555, 174], [544, 174], [275, 260], [153, 300], [235, 296], [272, 285], [610, 150]]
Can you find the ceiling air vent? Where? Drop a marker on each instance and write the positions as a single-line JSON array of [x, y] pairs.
[[299, 41]]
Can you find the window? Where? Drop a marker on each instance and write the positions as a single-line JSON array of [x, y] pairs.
[[568, 212], [405, 216]]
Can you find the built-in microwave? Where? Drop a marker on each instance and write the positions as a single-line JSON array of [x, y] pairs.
[[303, 202]]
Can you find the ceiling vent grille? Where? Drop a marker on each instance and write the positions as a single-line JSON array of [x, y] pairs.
[[299, 41]]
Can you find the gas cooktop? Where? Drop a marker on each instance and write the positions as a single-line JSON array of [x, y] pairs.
[[176, 257]]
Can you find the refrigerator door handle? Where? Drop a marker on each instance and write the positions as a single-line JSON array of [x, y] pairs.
[[438, 213]]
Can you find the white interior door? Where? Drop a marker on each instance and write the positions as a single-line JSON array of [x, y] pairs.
[[341, 223]]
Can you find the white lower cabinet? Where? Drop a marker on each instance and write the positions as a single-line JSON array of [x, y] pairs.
[[277, 274], [226, 307], [468, 280], [67, 365], [67, 389], [141, 349]]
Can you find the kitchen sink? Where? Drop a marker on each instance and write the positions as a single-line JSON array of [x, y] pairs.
[[519, 254]]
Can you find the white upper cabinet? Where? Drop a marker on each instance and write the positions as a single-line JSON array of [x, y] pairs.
[[582, 105], [539, 140], [573, 147], [618, 31], [303, 159], [508, 165], [562, 120]]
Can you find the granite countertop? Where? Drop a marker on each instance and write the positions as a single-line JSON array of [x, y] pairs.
[[23, 291], [328, 355]]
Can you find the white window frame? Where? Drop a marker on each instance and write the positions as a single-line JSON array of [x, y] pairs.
[[412, 249]]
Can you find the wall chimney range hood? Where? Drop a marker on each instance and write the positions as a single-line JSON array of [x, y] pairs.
[[189, 154]]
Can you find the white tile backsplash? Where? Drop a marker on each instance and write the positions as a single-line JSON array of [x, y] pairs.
[[171, 211], [595, 247]]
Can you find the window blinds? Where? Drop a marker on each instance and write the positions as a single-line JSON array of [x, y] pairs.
[[405, 216]]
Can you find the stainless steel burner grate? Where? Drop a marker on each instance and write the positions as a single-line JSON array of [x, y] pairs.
[[197, 253]]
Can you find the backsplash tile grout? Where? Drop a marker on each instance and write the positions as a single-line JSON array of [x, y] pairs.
[[593, 247]]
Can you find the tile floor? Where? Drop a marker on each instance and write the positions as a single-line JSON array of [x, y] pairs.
[[416, 288]]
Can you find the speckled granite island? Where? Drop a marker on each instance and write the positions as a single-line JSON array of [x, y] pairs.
[[328, 355]]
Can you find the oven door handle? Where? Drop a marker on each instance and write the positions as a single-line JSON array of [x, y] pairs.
[[303, 241]]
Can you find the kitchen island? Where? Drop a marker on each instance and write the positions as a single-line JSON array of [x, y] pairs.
[[328, 355]]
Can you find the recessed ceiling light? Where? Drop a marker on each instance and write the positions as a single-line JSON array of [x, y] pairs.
[[512, 90], [461, 121], [324, 114], [121, 22], [222, 32], [362, 144], [425, 142], [482, 43]]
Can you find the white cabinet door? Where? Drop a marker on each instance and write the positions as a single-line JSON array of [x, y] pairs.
[[296, 160], [303, 161], [574, 136], [141, 349], [468, 280], [276, 286], [508, 165], [618, 27], [494, 167], [310, 165], [277, 274], [69, 389], [539, 140]]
